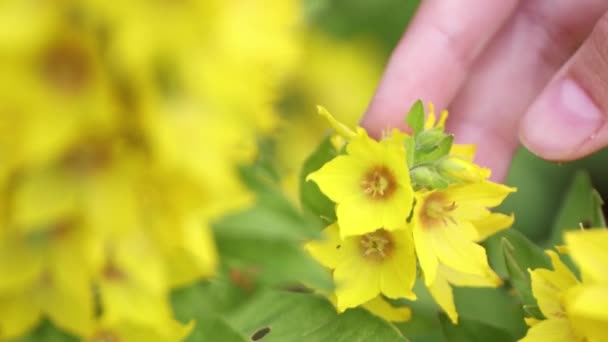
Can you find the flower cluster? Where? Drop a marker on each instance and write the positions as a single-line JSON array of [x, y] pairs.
[[120, 138], [406, 200], [575, 309]]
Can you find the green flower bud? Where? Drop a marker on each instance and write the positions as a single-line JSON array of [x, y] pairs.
[[461, 170], [428, 178]]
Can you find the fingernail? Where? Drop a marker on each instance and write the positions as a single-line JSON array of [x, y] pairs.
[[560, 120]]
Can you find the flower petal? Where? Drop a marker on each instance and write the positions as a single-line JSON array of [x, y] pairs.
[[492, 224], [357, 280], [383, 309], [466, 279], [399, 269], [357, 215], [443, 295], [550, 330], [548, 286], [326, 251], [588, 249], [339, 178], [459, 253], [426, 254], [472, 199]]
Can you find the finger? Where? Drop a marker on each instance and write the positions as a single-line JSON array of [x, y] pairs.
[[513, 70], [570, 118], [433, 58]]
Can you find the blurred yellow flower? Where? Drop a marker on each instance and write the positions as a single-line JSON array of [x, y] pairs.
[[365, 266], [342, 75], [122, 130]]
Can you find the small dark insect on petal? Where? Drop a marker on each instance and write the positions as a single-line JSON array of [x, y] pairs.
[[338, 246], [260, 333]]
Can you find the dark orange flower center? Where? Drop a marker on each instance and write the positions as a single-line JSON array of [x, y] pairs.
[[437, 209], [376, 246], [66, 66], [379, 182]]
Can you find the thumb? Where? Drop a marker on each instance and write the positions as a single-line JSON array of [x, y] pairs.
[[569, 119]]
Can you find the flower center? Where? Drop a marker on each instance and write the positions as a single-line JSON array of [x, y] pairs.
[[104, 336], [437, 209], [66, 65], [377, 245], [378, 183]]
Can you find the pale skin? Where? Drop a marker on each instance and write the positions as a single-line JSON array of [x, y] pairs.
[[509, 71]]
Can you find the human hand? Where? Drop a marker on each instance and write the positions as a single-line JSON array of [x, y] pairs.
[[539, 67]]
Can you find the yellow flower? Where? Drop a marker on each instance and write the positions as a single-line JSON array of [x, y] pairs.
[[371, 185], [550, 287], [574, 310], [127, 123], [447, 226], [587, 305], [46, 275], [365, 266]]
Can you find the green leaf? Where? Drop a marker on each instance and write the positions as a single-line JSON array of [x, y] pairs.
[[472, 331], [494, 307], [520, 254], [214, 328], [311, 197], [268, 238], [206, 304], [273, 261], [415, 118], [581, 207], [47, 332], [286, 316], [410, 150]]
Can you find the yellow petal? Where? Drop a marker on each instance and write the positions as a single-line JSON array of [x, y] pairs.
[[326, 251], [357, 215], [383, 309], [589, 301], [340, 178], [399, 268], [19, 266], [473, 199], [340, 128], [18, 314], [548, 286], [550, 330], [357, 280], [426, 253], [492, 224], [443, 295], [366, 149], [456, 252], [466, 279], [589, 250], [464, 151]]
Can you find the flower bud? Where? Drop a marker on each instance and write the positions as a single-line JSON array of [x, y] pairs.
[[461, 170], [429, 139], [427, 177]]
